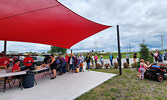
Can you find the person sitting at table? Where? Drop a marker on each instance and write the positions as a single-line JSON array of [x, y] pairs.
[[2, 53], [14, 59], [4, 61], [16, 67], [28, 62]]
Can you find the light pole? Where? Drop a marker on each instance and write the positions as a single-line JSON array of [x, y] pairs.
[[119, 53], [5, 46]]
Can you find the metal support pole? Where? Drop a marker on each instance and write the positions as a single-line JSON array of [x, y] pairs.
[[119, 53], [71, 50], [5, 43]]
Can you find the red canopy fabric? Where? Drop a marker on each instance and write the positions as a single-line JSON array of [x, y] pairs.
[[45, 22]]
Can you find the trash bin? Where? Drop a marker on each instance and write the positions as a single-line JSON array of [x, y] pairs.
[[28, 80]]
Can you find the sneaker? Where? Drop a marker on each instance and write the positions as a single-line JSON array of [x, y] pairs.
[[53, 77]]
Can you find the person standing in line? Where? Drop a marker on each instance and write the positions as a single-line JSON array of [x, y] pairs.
[[59, 63], [67, 65], [63, 65], [96, 58], [93, 59], [81, 60], [156, 56], [28, 61], [53, 66], [71, 62], [152, 54], [88, 59], [127, 58], [111, 57], [134, 56], [160, 57], [76, 62], [80, 65], [102, 60]]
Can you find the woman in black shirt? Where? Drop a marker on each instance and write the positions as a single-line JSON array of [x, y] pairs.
[[88, 58], [134, 57]]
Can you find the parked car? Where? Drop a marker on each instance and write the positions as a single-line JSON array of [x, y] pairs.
[[38, 60]]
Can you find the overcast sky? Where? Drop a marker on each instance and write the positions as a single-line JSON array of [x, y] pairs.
[[138, 19]]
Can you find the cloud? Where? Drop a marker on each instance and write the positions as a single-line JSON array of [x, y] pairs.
[[24, 47], [138, 20]]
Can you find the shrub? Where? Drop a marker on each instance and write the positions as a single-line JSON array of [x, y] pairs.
[[98, 66], [101, 66], [126, 65], [116, 65], [107, 65], [134, 65]]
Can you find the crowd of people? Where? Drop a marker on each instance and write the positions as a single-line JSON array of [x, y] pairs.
[[8, 63], [70, 63], [157, 56], [158, 59]]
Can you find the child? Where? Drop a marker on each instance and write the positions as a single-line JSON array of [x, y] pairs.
[[80, 66], [148, 64]]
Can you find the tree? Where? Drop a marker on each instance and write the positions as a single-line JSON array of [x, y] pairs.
[[144, 53], [58, 50], [49, 51], [42, 52]]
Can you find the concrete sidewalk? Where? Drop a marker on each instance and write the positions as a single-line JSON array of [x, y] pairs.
[[65, 87]]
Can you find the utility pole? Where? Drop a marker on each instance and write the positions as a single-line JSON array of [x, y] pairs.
[[119, 53], [130, 50], [143, 41], [162, 42]]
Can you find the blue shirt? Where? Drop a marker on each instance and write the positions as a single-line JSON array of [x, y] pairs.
[[111, 56], [101, 59], [127, 55]]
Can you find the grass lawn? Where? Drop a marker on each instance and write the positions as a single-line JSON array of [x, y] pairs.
[[127, 87]]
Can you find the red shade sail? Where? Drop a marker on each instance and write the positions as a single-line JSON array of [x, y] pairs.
[[45, 22]]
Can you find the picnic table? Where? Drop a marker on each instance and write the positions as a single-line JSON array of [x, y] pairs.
[[21, 73], [6, 75], [41, 70]]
